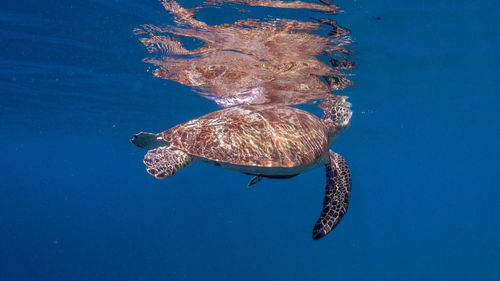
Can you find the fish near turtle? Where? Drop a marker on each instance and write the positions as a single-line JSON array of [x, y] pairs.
[[266, 141]]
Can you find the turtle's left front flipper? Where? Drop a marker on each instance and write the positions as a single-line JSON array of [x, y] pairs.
[[337, 194]]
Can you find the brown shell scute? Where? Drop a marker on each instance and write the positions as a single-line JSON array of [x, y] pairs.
[[264, 136]]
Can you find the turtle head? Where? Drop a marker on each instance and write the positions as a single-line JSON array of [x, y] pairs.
[[336, 115]]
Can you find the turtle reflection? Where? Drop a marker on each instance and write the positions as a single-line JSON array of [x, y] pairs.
[[259, 68], [252, 62]]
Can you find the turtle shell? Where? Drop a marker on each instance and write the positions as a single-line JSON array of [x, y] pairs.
[[253, 135]]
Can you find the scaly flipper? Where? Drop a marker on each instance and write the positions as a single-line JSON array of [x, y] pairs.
[[165, 161], [254, 180], [337, 194]]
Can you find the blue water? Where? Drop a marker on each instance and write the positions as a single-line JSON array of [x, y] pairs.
[[77, 204]]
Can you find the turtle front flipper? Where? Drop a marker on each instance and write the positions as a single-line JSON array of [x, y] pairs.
[[337, 194], [165, 161]]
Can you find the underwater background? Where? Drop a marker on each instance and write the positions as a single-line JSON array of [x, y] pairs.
[[77, 204]]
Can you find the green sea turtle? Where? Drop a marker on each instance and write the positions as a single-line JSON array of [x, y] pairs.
[[266, 141]]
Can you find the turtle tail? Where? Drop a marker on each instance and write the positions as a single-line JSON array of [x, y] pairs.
[[165, 161], [147, 140], [337, 195]]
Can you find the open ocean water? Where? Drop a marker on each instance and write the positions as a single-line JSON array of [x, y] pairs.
[[77, 204]]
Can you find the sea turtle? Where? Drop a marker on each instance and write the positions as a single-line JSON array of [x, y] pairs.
[[266, 141]]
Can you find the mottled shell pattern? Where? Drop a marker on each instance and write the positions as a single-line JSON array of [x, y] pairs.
[[262, 136]]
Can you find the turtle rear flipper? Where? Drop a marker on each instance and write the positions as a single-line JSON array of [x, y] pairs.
[[254, 180], [165, 161], [337, 194]]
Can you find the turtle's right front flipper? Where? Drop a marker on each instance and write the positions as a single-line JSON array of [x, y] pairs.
[[337, 194]]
